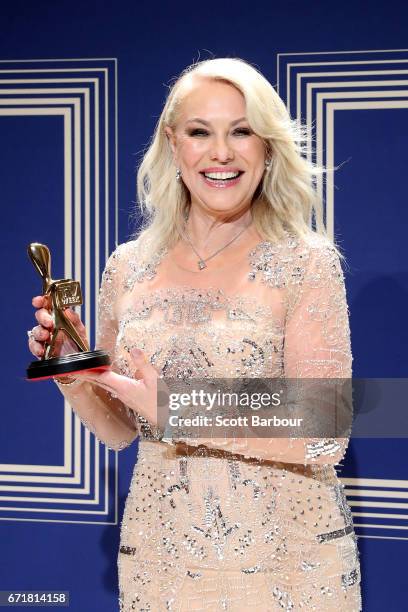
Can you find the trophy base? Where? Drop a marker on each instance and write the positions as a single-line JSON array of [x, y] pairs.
[[68, 364]]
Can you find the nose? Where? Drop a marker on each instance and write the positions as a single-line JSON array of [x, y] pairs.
[[221, 149]]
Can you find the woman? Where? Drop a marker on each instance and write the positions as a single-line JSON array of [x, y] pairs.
[[226, 279]]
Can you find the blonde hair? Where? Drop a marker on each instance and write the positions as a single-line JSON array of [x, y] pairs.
[[286, 199]]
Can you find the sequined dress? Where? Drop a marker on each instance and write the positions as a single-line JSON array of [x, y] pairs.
[[263, 527]]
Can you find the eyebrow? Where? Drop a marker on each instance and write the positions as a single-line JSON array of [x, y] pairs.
[[198, 120]]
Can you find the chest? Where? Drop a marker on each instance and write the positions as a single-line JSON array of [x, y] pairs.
[[193, 332]]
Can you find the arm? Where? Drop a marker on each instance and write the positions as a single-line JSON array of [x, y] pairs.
[[104, 415], [317, 346]]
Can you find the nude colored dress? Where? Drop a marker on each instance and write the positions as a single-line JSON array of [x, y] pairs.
[[267, 527]]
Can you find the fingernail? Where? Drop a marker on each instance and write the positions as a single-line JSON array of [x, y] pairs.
[[137, 352]]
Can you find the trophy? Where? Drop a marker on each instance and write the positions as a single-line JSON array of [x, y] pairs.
[[60, 295]]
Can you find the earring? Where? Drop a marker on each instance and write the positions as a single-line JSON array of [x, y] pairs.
[[178, 174], [267, 163]]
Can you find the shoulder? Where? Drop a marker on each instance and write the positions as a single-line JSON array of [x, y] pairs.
[[117, 265], [133, 261], [293, 259], [123, 256], [324, 263], [313, 247], [123, 252]]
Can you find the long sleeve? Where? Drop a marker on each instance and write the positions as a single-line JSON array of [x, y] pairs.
[[104, 415], [316, 346]]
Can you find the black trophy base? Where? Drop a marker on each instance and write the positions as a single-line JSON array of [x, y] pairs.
[[68, 364]]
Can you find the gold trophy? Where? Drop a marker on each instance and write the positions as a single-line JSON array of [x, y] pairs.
[[61, 294]]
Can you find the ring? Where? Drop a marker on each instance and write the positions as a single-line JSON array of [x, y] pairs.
[[30, 333]]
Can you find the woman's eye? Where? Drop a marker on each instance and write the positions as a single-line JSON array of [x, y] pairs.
[[198, 132], [243, 131]]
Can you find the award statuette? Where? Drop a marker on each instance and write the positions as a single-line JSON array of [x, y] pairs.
[[61, 294]]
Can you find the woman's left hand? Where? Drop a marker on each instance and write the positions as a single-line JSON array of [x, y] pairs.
[[138, 394]]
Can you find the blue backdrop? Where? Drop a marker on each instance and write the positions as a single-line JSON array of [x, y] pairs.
[[81, 88]]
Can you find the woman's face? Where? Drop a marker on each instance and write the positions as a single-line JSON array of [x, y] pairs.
[[221, 160]]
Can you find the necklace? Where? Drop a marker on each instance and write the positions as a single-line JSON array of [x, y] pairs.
[[201, 262]]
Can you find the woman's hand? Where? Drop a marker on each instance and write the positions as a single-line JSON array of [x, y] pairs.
[[41, 333], [139, 393]]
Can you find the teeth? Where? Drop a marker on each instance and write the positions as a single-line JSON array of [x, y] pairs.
[[221, 175]]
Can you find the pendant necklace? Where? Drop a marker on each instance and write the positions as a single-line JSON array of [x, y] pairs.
[[201, 261]]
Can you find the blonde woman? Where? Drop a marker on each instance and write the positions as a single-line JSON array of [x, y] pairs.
[[225, 279]]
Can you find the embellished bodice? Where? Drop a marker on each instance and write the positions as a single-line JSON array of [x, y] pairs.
[[282, 313], [197, 333]]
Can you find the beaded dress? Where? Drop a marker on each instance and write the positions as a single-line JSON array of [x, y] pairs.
[[264, 525]]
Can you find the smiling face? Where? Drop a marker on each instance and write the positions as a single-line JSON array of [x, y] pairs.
[[221, 159]]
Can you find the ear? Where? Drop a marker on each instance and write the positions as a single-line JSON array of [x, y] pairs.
[[171, 137]]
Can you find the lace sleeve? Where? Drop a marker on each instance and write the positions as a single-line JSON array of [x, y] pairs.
[[317, 339], [316, 346], [107, 417]]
